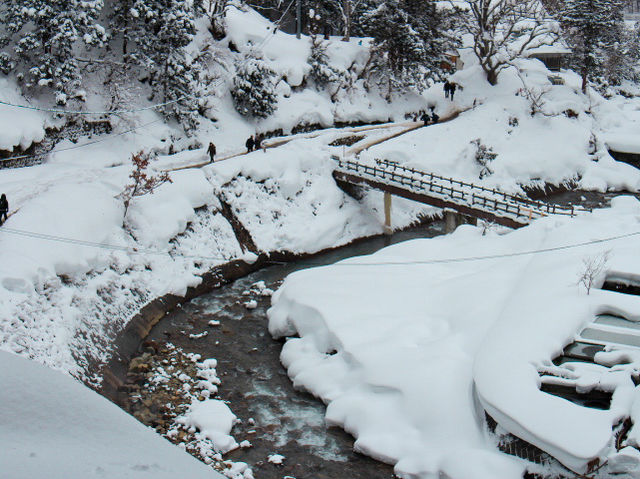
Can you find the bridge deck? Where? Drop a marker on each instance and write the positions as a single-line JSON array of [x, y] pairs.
[[466, 198]]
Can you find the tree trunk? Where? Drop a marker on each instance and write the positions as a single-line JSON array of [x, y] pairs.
[[347, 20], [584, 80], [492, 77]]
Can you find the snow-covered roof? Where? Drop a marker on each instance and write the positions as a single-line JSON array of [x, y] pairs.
[[556, 49]]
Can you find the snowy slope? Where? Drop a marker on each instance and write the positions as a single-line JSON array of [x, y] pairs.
[[75, 270], [549, 147], [53, 426], [400, 344]]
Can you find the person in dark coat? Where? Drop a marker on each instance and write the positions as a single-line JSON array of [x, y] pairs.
[[452, 90], [212, 151], [4, 208], [447, 88], [434, 116], [424, 118], [250, 144]]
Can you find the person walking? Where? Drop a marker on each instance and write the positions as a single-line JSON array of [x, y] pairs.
[[4, 208], [452, 90], [447, 88], [212, 152], [250, 143]]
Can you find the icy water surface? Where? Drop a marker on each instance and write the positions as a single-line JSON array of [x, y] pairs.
[[275, 417]]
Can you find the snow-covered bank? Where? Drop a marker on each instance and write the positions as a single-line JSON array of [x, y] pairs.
[[394, 343], [52, 426]]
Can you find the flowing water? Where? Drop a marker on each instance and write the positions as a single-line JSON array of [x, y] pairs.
[[275, 417]]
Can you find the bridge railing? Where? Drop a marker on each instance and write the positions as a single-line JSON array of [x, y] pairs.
[[480, 196], [557, 209]]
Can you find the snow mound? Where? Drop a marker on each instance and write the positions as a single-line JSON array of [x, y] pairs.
[[214, 420], [400, 343]]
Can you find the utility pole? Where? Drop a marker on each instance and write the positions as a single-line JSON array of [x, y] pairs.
[[298, 18]]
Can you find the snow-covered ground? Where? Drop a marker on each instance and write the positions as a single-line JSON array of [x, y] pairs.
[[53, 426], [407, 346], [75, 269]]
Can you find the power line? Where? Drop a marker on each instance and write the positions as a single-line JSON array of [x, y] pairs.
[[106, 246], [107, 112], [75, 147], [147, 251], [493, 256]]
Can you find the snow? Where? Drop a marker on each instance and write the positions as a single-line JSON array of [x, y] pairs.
[[18, 130], [399, 358], [214, 421], [75, 270], [275, 459], [55, 426], [531, 150]]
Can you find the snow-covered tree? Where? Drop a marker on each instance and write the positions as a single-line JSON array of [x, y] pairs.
[[162, 29], [322, 73], [40, 39], [594, 30], [504, 30], [410, 41], [253, 88]]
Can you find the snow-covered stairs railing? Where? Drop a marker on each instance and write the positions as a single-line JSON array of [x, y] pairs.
[[466, 198]]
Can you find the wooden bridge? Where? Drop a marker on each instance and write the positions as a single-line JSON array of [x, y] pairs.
[[450, 194]]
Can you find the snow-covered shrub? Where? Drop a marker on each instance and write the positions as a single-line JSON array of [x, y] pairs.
[[484, 155], [253, 88], [321, 72]]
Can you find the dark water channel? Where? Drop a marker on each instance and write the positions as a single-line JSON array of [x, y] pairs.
[[275, 417]]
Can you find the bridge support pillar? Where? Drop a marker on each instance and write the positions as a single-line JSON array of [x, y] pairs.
[[452, 220], [387, 214]]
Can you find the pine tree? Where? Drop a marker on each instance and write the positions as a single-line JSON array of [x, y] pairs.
[[162, 29], [409, 42], [253, 88], [592, 28], [40, 38], [321, 72], [121, 23]]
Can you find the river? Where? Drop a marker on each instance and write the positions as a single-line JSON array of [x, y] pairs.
[[275, 417]]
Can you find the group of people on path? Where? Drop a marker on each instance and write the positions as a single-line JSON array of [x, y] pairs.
[[254, 143], [430, 119], [449, 89]]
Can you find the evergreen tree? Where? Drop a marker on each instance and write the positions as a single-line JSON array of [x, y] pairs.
[[40, 38], [162, 29], [410, 40], [253, 88], [321, 72], [592, 28], [121, 23]]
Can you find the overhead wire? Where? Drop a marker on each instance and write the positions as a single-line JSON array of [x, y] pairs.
[[106, 112], [106, 246], [148, 251], [75, 147]]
